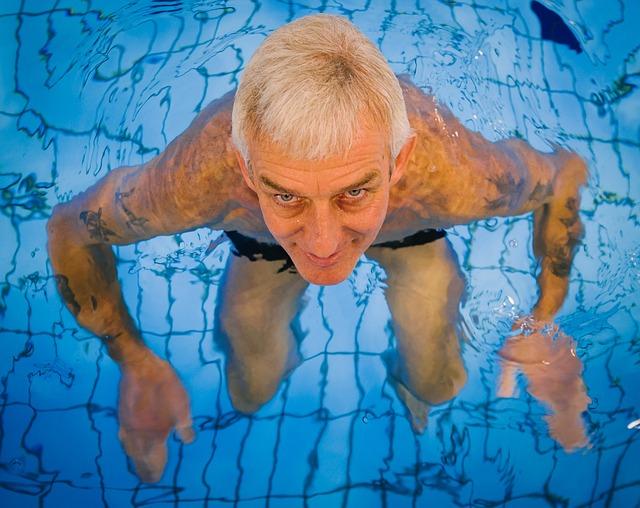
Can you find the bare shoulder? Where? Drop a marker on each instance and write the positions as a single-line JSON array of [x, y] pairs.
[[206, 143], [443, 179], [420, 106], [457, 176], [194, 182], [200, 164]]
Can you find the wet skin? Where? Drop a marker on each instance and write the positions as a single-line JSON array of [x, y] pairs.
[[424, 289], [325, 214], [335, 208]]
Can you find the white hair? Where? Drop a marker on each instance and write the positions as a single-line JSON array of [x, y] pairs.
[[310, 86]]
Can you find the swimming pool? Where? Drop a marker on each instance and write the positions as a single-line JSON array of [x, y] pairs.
[[90, 86]]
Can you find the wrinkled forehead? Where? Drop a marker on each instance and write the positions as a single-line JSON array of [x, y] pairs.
[[370, 148]]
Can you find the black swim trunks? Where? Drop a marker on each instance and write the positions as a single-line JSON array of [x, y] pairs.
[[419, 238], [253, 249]]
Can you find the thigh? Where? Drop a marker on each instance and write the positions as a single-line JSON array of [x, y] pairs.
[[424, 289], [256, 305]]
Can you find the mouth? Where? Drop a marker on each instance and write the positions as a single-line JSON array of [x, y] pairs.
[[323, 262]]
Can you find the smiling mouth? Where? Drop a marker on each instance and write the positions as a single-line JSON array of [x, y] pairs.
[[323, 262]]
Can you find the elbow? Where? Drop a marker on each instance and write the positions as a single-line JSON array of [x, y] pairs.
[[571, 168], [59, 224], [55, 219]]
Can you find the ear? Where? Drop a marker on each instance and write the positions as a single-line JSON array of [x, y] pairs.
[[402, 159], [246, 173]]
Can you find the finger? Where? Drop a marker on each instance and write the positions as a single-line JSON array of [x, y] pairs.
[[507, 380], [147, 450], [184, 425], [150, 466], [186, 434], [128, 441], [568, 430]]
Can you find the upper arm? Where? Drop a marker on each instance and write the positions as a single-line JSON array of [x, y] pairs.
[[181, 189]]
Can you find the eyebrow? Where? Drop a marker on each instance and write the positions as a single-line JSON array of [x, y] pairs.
[[270, 183], [368, 178]]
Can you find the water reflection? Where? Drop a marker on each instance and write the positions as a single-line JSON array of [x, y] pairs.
[[116, 84], [547, 358], [259, 302]]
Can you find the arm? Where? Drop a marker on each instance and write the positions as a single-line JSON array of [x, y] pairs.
[[557, 232], [484, 179], [548, 360], [180, 189], [551, 189], [470, 178], [546, 356]]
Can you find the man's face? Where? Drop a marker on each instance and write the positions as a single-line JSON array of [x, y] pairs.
[[325, 214]]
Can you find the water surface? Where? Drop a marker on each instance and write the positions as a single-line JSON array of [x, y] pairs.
[[88, 86]]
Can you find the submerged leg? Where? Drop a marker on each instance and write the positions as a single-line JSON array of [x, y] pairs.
[[256, 306], [424, 290]]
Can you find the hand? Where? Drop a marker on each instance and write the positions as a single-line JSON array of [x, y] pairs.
[[152, 402], [547, 358]]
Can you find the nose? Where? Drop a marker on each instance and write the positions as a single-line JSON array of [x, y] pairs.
[[322, 231]]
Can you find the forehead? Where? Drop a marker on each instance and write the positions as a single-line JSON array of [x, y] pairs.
[[370, 149]]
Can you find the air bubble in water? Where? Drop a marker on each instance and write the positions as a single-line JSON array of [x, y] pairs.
[[491, 224], [16, 465], [634, 424], [513, 243]]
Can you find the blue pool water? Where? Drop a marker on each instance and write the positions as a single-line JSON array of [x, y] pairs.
[[88, 86]]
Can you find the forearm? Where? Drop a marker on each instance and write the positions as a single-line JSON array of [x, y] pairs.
[[557, 234], [509, 177], [189, 185], [87, 281], [553, 291]]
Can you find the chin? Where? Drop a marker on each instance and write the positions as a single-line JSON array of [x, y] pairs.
[[322, 277]]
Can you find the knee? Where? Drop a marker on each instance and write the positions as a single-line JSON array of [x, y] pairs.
[[443, 386], [248, 393], [253, 380]]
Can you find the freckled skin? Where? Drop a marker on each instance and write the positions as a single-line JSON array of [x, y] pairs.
[[443, 176], [449, 175], [321, 210], [134, 221], [541, 192], [66, 293]]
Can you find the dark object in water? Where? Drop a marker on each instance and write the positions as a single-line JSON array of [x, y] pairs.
[[553, 28], [166, 6]]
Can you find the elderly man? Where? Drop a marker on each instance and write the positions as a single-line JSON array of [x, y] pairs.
[[321, 155]]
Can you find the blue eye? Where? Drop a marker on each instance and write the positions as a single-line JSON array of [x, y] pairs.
[[284, 198], [356, 193]]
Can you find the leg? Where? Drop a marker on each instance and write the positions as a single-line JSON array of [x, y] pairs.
[[257, 305], [424, 291]]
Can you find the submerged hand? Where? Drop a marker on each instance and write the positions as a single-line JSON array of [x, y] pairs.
[[152, 402], [548, 360]]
